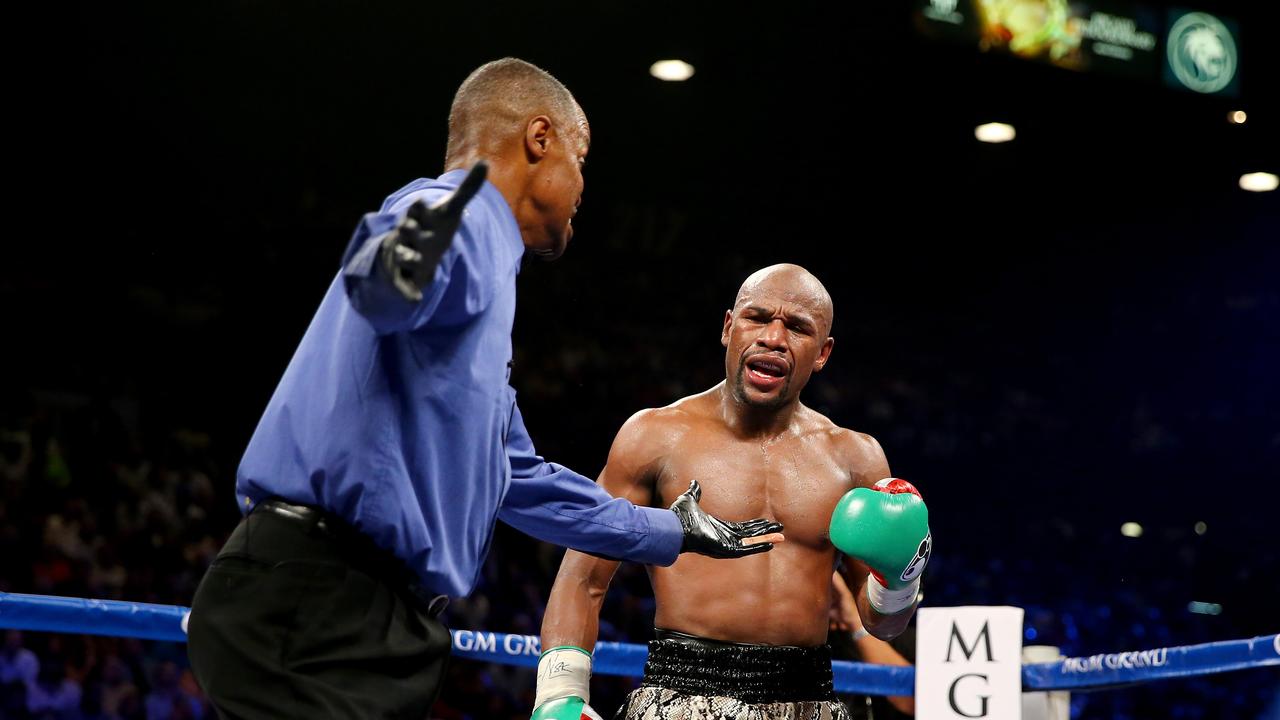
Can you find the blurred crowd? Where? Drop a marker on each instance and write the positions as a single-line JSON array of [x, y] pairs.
[[91, 508], [1031, 452]]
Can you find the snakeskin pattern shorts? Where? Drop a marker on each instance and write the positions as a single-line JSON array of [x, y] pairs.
[[692, 678], [651, 703]]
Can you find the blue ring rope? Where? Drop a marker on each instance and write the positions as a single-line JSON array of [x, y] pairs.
[[148, 621]]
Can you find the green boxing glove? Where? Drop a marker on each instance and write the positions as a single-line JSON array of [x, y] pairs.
[[886, 527], [564, 685], [570, 708]]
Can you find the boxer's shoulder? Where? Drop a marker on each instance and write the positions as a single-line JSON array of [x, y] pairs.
[[649, 435], [855, 443], [680, 417], [859, 452], [675, 418], [865, 459], [815, 426]]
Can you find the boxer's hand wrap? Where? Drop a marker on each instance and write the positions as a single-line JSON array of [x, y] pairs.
[[711, 536], [412, 250], [886, 527], [891, 602], [563, 672]]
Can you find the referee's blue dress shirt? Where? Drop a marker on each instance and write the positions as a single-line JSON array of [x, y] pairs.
[[398, 417]]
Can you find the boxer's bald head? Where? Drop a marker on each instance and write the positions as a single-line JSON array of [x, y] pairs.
[[794, 283], [777, 335]]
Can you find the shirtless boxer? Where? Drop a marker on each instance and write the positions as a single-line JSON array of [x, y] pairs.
[[746, 639]]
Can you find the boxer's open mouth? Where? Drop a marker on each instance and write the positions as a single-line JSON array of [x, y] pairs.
[[766, 372]]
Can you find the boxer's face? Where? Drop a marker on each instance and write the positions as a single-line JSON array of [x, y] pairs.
[[557, 189], [775, 337]]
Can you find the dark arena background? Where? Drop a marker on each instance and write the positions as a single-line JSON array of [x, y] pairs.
[[1054, 338]]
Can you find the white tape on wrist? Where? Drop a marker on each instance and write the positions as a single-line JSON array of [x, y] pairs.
[[563, 672], [891, 602]]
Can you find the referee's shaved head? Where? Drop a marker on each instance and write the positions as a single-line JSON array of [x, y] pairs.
[[495, 102]]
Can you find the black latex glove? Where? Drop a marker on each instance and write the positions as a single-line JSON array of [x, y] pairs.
[[711, 536], [412, 250]]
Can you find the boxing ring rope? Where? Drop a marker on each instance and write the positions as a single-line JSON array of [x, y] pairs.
[[47, 613]]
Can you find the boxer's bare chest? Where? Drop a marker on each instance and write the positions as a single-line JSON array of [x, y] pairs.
[[795, 478]]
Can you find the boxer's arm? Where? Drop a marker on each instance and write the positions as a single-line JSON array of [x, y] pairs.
[[571, 623], [884, 627], [870, 648], [570, 627], [573, 610], [869, 465]]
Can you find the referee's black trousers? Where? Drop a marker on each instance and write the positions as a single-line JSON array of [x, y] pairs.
[[294, 620]]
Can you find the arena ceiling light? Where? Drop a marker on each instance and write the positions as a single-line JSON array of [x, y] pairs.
[[671, 70], [994, 132], [1237, 117], [1131, 529], [1201, 527], [1259, 182], [1204, 608]]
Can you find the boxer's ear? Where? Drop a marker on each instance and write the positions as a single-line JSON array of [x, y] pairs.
[[824, 354]]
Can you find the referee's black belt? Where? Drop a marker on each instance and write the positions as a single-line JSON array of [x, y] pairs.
[[319, 522]]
